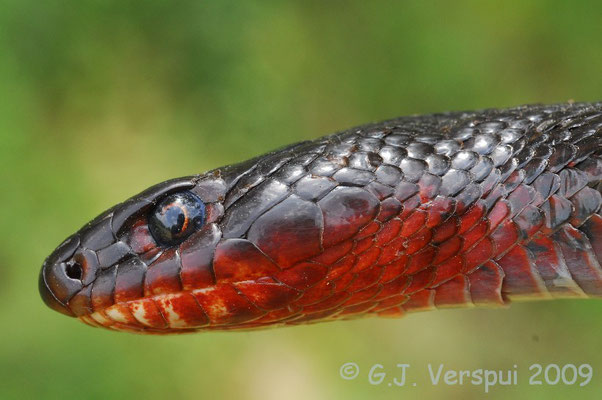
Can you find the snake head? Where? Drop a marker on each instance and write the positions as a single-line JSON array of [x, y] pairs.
[[106, 261], [236, 247], [213, 251]]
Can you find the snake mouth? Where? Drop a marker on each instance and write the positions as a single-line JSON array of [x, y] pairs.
[[223, 306]]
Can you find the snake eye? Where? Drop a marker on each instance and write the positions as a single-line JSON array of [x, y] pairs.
[[176, 217]]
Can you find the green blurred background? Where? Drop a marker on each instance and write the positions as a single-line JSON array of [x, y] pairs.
[[101, 99]]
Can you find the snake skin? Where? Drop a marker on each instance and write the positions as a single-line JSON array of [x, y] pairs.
[[416, 213]]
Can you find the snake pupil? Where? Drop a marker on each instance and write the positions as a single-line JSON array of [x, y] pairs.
[[176, 217], [177, 228]]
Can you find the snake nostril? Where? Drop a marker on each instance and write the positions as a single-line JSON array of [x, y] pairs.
[[74, 270]]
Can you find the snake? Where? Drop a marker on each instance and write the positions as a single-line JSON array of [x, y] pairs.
[[456, 209]]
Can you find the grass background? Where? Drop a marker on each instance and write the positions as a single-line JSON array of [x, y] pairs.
[[101, 99]]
